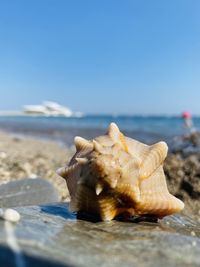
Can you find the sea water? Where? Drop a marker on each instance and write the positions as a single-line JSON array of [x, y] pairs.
[[149, 128]]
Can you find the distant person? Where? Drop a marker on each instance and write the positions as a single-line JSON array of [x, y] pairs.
[[188, 123]]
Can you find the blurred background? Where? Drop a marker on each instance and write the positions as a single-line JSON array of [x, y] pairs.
[[135, 63]]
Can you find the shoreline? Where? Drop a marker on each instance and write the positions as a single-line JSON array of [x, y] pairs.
[[64, 135]]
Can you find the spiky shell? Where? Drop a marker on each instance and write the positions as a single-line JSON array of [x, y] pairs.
[[114, 174]]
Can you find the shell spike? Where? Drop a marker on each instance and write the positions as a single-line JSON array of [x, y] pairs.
[[108, 216], [82, 161], [154, 158], [98, 189], [113, 183], [108, 209], [113, 132], [63, 172], [117, 136], [82, 143], [163, 147], [97, 146]]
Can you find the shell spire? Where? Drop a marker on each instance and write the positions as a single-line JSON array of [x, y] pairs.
[[115, 175]]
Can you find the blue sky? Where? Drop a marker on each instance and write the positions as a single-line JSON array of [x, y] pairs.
[[101, 56]]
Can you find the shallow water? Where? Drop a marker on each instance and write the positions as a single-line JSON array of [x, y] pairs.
[[148, 129]]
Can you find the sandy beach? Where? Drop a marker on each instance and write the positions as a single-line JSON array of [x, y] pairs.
[[23, 157]]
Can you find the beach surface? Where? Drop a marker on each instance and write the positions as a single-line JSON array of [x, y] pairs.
[[25, 157]]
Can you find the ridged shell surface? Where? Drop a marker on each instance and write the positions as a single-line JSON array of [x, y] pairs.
[[115, 175]]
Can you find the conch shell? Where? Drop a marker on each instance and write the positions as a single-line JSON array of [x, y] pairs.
[[115, 175]]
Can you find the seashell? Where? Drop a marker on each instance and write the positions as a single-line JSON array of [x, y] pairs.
[[11, 215], [116, 175]]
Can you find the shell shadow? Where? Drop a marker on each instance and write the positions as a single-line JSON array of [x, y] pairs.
[[134, 219], [63, 210], [8, 258], [58, 209]]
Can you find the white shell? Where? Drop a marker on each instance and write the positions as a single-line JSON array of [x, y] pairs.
[[11, 215]]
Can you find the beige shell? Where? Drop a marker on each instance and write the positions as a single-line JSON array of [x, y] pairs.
[[113, 175]]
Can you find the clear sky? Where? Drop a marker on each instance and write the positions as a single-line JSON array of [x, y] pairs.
[[101, 56]]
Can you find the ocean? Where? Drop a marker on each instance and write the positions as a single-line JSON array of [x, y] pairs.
[[147, 129]]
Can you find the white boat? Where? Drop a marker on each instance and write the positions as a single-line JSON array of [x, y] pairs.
[[48, 108], [56, 109], [34, 109]]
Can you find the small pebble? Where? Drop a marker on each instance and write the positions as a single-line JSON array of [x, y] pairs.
[[33, 176], [193, 233], [194, 243], [3, 155], [11, 215]]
